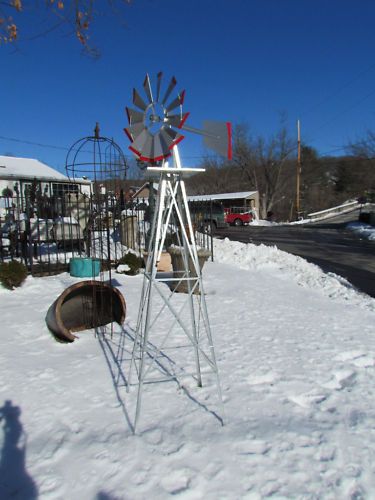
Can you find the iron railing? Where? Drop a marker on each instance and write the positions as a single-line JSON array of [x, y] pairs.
[[46, 232]]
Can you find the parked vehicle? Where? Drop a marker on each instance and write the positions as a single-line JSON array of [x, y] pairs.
[[238, 216], [367, 217], [207, 216]]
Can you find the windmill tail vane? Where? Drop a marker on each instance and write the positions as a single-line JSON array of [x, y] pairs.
[[156, 123]]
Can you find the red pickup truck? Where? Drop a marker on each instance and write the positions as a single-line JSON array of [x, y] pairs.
[[237, 216]]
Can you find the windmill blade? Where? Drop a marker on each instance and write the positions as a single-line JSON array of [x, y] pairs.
[[172, 133], [175, 136], [166, 138], [160, 147], [173, 120], [218, 137], [177, 120], [147, 148], [176, 102], [138, 101], [135, 130], [171, 86], [139, 142], [158, 86], [147, 87], [134, 116]]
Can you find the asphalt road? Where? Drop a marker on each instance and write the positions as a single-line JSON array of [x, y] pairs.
[[327, 244]]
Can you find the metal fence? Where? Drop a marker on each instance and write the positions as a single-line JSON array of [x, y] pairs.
[[46, 232]]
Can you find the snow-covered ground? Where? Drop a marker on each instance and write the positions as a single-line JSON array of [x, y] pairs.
[[362, 230], [296, 353], [262, 222]]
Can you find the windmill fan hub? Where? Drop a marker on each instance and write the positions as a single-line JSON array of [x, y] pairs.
[[154, 117]]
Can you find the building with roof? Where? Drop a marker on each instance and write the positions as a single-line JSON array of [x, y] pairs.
[[142, 193], [17, 175], [247, 200]]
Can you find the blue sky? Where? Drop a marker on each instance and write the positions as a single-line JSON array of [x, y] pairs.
[[242, 61]]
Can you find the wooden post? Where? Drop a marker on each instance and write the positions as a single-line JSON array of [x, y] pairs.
[[298, 179]]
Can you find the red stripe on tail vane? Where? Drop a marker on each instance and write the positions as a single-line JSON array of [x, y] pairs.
[[229, 130]]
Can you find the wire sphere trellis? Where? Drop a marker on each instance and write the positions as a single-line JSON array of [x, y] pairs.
[[98, 159], [101, 161]]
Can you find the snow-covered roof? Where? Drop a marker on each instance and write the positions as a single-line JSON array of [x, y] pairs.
[[24, 168], [206, 197], [155, 185], [223, 196]]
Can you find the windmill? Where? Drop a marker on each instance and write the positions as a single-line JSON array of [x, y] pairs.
[[155, 129]]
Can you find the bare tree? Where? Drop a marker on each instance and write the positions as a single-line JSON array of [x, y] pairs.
[[244, 154], [268, 165], [361, 175], [363, 148], [75, 15], [263, 163], [215, 179]]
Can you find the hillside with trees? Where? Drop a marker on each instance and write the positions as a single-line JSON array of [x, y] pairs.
[[270, 167]]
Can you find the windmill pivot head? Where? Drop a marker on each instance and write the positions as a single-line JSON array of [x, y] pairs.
[[155, 119]]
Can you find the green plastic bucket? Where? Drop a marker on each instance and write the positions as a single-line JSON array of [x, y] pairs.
[[84, 267]]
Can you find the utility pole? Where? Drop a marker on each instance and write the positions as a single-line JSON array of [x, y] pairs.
[[298, 178]]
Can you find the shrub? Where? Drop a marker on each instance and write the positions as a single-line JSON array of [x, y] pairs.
[[12, 274], [133, 262]]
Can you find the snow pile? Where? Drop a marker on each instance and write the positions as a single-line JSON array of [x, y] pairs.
[[362, 230], [262, 222], [122, 268], [289, 267], [297, 372]]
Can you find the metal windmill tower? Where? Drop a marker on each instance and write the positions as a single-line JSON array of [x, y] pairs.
[[155, 130]]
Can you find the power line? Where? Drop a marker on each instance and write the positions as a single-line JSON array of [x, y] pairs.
[[345, 159], [201, 157], [22, 141], [332, 151], [343, 112], [63, 148], [335, 92]]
